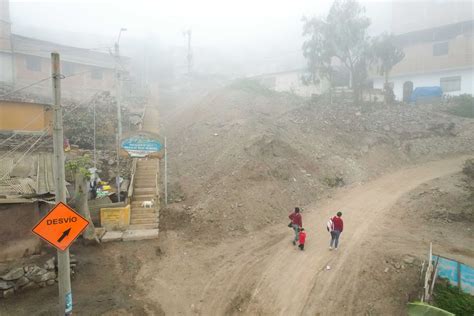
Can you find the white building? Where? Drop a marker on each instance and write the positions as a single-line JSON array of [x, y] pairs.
[[292, 81], [437, 39]]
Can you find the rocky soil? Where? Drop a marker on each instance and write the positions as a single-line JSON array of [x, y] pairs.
[[241, 158]]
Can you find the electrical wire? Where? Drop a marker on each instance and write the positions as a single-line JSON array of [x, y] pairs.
[[28, 124], [22, 157], [19, 146], [67, 113], [25, 87]]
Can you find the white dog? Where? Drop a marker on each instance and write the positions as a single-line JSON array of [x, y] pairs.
[[148, 204]]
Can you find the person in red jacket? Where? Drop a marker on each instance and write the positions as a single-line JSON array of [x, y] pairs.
[[296, 223], [302, 238], [337, 225]]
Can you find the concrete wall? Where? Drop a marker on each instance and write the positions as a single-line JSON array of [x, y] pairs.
[[20, 116], [419, 57], [81, 85], [429, 80], [291, 82], [16, 222], [6, 68]]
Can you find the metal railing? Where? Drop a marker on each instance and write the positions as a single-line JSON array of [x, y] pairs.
[[157, 176], [132, 178]]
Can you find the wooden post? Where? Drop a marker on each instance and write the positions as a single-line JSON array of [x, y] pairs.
[[64, 274]]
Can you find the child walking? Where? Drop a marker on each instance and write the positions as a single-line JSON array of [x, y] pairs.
[[302, 238]]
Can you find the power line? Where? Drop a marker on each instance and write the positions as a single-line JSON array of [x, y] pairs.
[[23, 156], [28, 124], [25, 87], [19, 146]]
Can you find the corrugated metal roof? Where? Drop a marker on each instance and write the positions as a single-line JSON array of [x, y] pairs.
[[45, 176]]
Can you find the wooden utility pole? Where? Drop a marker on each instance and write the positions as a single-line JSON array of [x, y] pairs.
[[64, 275]]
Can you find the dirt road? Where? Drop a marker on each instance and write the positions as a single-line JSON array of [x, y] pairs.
[[264, 274]]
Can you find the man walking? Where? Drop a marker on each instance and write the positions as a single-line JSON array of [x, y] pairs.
[[296, 223], [336, 227]]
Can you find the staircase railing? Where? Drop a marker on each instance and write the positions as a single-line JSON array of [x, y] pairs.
[[132, 178], [157, 188]]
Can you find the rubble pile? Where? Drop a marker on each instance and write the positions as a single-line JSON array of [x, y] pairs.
[[269, 152], [31, 276]]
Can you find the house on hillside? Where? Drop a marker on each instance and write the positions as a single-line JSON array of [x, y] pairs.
[[437, 39], [24, 118], [26, 174], [441, 56], [26, 195], [25, 60]]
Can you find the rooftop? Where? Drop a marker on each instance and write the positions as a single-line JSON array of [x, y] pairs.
[[441, 33], [31, 46]]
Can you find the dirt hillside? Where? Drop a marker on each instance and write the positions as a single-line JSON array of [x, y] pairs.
[[242, 156]]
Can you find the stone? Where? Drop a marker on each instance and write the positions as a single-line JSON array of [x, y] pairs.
[[386, 270], [140, 234], [50, 282], [409, 260], [112, 236], [5, 285], [8, 293], [49, 265], [42, 284], [39, 278], [21, 282], [14, 274], [34, 271]]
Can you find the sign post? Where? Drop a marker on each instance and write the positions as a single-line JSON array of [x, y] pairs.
[[64, 275]]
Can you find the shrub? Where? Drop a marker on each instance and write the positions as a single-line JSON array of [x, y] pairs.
[[334, 181], [462, 105], [452, 299]]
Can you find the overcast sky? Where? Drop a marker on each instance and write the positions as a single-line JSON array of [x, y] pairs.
[[238, 29], [214, 22]]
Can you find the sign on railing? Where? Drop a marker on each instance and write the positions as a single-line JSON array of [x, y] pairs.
[[141, 145]]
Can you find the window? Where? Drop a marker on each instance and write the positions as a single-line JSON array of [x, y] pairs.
[[96, 74], [33, 63], [68, 69], [440, 49], [449, 84]]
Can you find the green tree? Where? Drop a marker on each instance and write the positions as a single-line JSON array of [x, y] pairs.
[[387, 55], [342, 35], [78, 170]]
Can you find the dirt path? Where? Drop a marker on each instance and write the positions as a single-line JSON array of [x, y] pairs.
[[264, 274]]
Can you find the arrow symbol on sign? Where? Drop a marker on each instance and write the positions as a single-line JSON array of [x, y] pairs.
[[65, 233]]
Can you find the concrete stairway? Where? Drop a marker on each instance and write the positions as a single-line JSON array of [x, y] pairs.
[[144, 189]]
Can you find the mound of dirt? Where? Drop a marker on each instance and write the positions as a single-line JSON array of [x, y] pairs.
[[245, 157]]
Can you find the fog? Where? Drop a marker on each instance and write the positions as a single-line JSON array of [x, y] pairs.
[[264, 36]]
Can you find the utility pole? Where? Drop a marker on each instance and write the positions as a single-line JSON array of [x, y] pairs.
[[95, 154], [119, 110], [166, 173], [64, 275], [188, 33]]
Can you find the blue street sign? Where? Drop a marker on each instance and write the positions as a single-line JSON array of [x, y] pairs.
[[141, 145]]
